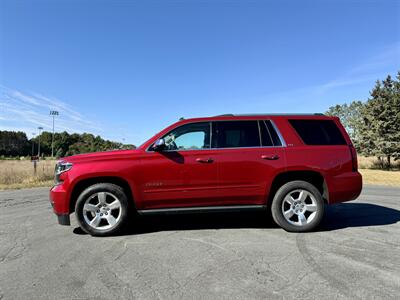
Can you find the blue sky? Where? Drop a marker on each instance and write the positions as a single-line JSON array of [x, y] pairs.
[[126, 69]]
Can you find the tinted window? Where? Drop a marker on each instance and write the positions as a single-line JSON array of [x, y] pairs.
[[318, 132], [189, 137], [235, 134], [269, 137]]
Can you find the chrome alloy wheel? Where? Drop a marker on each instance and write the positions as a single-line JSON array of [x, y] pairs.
[[102, 211], [299, 207]]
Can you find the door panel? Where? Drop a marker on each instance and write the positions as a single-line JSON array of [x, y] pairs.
[[178, 179], [245, 174], [162, 178]]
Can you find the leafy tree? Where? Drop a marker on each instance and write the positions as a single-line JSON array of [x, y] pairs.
[[351, 118], [14, 143]]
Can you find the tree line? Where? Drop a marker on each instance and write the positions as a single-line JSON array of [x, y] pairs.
[[16, 144], [374, 125]]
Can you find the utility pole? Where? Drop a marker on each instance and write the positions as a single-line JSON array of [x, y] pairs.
[[33, 143], [40, 128], [53, 113]]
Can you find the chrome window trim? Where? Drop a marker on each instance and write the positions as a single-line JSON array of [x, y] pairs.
[[279, 134], [232, 148], [283, 143], [211, 134]]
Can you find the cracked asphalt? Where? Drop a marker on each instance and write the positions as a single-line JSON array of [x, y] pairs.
[[355, 254]]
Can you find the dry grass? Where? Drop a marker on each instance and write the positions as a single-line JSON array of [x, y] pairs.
[[366, 162], [16, 174], [380, 177], [368, 167], [373, 163]]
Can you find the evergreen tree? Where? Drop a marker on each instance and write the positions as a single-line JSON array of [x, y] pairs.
[[380, 130]]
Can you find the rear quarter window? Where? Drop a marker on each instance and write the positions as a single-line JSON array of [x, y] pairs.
[[318, 132]]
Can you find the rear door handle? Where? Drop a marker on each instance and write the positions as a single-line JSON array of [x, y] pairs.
[[270, 157], [204, 160]]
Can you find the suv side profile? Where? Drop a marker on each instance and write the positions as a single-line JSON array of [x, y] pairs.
[[291, 164]]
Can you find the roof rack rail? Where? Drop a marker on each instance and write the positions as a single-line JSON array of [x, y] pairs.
[[271, 114]]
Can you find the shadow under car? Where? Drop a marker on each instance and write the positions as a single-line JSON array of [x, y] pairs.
[[337, 216]]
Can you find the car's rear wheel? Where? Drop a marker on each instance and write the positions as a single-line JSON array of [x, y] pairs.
[[298, 206], [102, 209]]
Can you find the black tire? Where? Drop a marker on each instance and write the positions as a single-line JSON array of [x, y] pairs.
[[113, 192], [313, 200]]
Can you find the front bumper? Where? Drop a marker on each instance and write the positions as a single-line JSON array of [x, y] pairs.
[[59, 201], [64, 220]]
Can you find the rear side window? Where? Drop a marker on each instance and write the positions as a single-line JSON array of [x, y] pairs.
[[269, 137], [235, 134], [318, 132]]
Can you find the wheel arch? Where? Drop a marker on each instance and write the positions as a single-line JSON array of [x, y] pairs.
[[81, 185], [311, 176]]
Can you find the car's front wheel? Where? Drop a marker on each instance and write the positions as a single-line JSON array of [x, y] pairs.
[[102, 209], [298, 206]]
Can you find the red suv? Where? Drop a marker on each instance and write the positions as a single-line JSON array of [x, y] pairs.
[[290, 164]]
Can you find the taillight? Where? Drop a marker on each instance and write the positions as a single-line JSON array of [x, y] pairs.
[[354, 158]]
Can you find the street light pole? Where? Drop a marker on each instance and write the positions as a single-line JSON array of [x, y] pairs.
[[53, 113], [40, 128], [33, 144]]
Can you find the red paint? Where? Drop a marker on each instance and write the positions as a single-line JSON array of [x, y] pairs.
[[214, 176]]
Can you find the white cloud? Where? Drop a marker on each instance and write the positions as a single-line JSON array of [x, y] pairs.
[[27, 111]]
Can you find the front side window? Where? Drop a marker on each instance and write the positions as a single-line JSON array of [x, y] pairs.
[[235, 134], [192, 136]]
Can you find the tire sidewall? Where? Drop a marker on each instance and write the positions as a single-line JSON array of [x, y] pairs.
[[282, 192], [117, 191]]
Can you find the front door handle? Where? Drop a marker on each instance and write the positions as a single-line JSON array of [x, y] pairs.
[[204, 160], [270, 157]]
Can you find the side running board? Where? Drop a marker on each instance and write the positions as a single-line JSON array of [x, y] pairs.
[[202, 209]]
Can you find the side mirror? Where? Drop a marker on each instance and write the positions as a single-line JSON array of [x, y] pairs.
[[159, 145]]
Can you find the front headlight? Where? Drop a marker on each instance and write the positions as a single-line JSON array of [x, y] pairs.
[[61, 167]]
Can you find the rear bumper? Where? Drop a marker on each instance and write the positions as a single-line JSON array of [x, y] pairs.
[[345, 187], [59, 202]]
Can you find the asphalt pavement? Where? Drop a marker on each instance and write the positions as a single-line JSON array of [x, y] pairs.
[[354, 255]]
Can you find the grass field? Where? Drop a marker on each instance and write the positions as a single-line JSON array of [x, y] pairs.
[[15, 174]]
